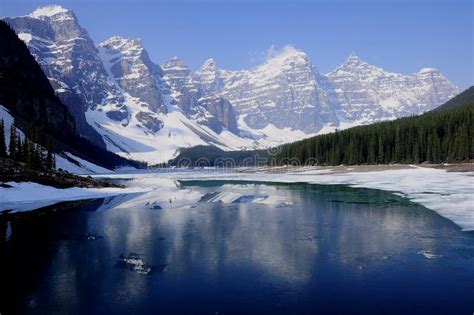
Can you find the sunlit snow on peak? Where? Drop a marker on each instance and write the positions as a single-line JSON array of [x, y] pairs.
[[48, 11]]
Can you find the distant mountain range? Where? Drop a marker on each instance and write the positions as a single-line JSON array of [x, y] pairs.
[[123, 101], [443, 135]]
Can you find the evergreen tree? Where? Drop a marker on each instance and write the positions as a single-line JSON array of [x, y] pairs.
[[3, 146], [19, 149], [12, 148], [32, 162], [25, 150], [49, 161]]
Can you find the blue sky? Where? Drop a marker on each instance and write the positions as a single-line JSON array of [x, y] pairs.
[[398, 35]]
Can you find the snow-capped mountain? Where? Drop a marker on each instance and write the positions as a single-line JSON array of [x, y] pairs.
[[117, 95], [123, 100], [366, 93], [206, 108], [69, 59], [286, 91], [130, 66]]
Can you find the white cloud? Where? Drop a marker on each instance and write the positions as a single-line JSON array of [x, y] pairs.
[[258, 57]]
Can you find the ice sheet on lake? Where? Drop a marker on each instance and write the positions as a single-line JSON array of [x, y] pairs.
[[451, 194]]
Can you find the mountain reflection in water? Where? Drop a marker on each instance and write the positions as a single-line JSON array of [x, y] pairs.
[[237, 247]]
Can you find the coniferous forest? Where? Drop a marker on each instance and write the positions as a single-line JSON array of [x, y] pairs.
[[35, 150], [439, 136]]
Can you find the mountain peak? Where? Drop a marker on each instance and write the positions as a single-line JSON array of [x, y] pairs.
[[354, 64], [119, 40], [127, 46], [174, 62], [48, 11], [209, 63], [354, 60]]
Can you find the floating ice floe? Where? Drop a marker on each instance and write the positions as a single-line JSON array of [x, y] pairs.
[[429, 254], [135, 263]]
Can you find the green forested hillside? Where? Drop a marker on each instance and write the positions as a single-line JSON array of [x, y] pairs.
[[444, 135]]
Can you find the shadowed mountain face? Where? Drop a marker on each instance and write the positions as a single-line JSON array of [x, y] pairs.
[[25, 90], [119, 97], [27, 94], [69, 59]]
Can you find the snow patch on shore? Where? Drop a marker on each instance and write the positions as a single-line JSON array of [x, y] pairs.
[[28, 196], [80, 166]]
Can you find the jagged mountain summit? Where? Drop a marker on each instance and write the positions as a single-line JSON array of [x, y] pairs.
[[130, 66], [366, 93], [122, 100], [286, 91]]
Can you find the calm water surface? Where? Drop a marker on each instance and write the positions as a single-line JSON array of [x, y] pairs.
[[220, 248]]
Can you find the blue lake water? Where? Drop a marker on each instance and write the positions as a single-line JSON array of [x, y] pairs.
[[218, 247]]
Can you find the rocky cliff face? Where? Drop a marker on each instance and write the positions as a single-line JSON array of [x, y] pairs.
[[196, 100], [26, 92], [286, 91], [69, 59], [131, 68]]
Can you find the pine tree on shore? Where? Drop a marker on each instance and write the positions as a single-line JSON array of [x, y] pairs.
[[50, 162], [19, 155], [12, 147], [3, 146]]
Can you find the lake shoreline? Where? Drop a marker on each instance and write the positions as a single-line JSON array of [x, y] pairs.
[[458, 167], [446, 189]]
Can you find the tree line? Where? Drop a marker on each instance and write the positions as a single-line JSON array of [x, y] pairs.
[[434, 137], [35, 150]]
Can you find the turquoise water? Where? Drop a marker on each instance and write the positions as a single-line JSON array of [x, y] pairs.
[[235, 248]]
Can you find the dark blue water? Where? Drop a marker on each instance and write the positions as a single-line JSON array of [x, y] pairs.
[[323, 249]]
